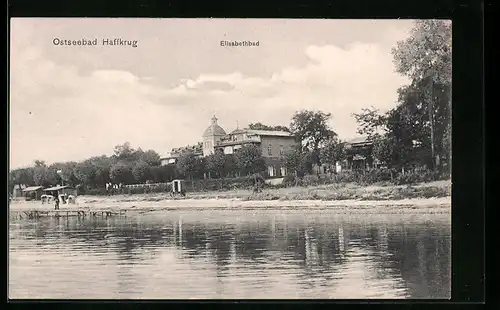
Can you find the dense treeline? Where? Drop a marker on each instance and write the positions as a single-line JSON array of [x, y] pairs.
[[409, 141], [417, 132], [131, 166], [125, 166]]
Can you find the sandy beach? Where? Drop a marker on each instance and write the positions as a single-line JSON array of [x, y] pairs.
[[413, 206], [371, 200]]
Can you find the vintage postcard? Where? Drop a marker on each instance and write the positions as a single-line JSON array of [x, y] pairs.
[[229, 159]]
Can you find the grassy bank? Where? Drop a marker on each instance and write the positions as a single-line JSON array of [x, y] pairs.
[[340, 191], [420, 199], [331, 192]]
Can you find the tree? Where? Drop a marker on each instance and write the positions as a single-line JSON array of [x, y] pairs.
[[333, 151], [199, 167], [370, 122], [426, 52], [150, 157], [66, 173], [311, 130], [23, 176], [156, 174], [249, 159], [102, 165], [162, 174], [425, 57], [230, 164], [141, 171], [168, 173], [121, 173], [385, 149], [123, 151], [43, 176], [85, 172], [216, 163], [260, 126], [187, 164], [299, 160]]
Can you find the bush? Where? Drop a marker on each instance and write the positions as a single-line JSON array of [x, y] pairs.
[[346, 177], [376, 175], [289, 180], [98, 191], [225, 184], [310, 180], [417, 175]]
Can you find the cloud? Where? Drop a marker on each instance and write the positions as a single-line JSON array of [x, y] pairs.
[[115, 76], [336, 80], [59, 113]]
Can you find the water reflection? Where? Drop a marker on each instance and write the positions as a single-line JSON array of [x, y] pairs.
[[230, 255]]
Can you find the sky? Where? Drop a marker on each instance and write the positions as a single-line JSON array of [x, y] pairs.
[[74, 102]]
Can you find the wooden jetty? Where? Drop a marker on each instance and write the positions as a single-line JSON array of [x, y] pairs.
[[35, 214]]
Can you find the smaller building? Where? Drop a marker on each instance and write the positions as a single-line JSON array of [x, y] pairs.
[[17, 191], [359, 154], [62, 190], [171, 157], [33, 192]]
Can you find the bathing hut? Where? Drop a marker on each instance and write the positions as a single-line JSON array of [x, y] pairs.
[[66, 190], [178, 187], [32, 192], [17, 192]]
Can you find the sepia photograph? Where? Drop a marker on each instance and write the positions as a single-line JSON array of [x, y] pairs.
[[217, 158]]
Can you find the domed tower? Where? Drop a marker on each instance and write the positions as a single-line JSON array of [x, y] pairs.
[[211, 136]]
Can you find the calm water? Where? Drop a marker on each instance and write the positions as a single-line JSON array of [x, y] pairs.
[[231, 254]]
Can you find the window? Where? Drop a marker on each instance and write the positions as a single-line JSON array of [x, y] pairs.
[[270, 150], [270, 171], [283, 171], [282, 151]]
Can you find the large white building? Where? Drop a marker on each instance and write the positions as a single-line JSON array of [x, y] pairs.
[[273, 144]]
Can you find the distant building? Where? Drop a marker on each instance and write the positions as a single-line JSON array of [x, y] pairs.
[[171, 157], [273, 145], [33, 192], [60, 190], [359, 154], [17, 191]]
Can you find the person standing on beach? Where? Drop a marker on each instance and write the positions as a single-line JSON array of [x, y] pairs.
[[56, 200]]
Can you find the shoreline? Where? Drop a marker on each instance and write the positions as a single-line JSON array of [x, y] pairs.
[[407, 206], [429, 198]]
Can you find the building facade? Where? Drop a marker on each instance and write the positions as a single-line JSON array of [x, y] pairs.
[[359, 154], [273, 145], [171, 157]]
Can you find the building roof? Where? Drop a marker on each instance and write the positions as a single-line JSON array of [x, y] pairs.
[[214, 129], [32, 188], [359, 140], [239, 142], [238, 130], [176, 152], [56, 188], [270, 133]]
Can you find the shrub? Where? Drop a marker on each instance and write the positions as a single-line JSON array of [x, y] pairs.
[[346, 177], [93, 191], [376, 175], [289, 180], [310, 180], [417, 175], [225, 184]]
